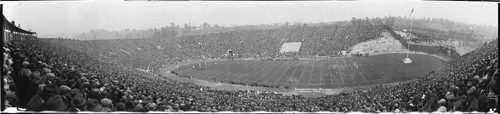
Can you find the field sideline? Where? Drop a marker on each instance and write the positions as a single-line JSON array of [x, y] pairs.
[[318, 72]]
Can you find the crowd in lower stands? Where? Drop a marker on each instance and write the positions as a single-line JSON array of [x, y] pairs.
[[42, 76]]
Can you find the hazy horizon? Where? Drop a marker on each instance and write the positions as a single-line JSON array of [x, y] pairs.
[[48, 18]]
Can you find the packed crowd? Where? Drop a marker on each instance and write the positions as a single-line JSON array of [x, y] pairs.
[[151, 53], [42, 76]]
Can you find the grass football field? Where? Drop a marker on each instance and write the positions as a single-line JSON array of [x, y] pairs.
[[318, 72]]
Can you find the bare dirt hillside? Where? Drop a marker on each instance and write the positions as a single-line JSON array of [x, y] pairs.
[[386, 43]]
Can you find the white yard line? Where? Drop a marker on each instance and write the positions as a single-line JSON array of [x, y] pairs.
[[302, 73], [358, 70], [312, 71], [240, 74], [259, 71], [373, 66], [237, 69], [340, 73], [248, 70], [293, 72], [282, 74], [275, 71], [320, 70], [349, 70], [272, 69]]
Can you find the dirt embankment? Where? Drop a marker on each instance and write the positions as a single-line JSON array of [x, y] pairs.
[[386, 43]]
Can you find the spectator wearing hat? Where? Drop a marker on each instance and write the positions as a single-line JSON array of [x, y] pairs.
[[442, 106], [50, 78], [46, 70], [95, 93], [473, 104], [492, 85], [107, 105], [57, 103], [35, 81], [50, 75], [65, 93], [93, 105], [168, 108], [22, 83], [65, 90], [129, 105], [449, 95], [138, 108], [74, 92], [77, 103], [458, 105], [11, 96], [18, 61], [483, 102], [48, 98], [450, 98], [162, 107], [120, 106]]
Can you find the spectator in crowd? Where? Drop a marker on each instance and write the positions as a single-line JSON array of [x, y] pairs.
[[69, 80], [442, 107], [77, 103], [48, 98], [107, 104]]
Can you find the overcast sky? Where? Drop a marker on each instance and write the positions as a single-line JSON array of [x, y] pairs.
[[76, 17]]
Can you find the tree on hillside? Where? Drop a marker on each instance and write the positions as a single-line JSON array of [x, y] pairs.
[[173, 26]]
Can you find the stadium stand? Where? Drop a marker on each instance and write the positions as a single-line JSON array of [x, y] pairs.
[[43, 71], [95, 76]]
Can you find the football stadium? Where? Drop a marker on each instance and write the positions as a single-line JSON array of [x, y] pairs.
[[315, 73], [164, 61]]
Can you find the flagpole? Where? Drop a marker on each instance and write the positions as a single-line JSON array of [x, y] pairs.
[[409, 33]]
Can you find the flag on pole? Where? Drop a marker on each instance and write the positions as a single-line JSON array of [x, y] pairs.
[[412, 9]]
